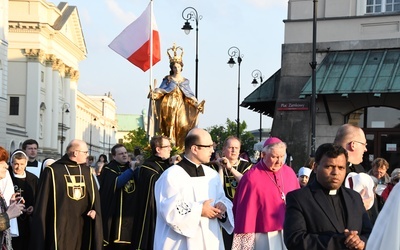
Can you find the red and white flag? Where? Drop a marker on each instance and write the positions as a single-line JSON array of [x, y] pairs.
[[134, 41]]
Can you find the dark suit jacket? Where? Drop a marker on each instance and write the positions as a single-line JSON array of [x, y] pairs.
[[310, 221]]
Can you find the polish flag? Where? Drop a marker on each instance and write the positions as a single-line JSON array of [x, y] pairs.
[[134, 41]]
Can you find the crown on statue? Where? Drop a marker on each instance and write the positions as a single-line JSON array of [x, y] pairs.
[[173, 54]]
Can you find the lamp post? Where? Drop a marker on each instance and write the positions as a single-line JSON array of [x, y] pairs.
[[190, 14], [313, 65], [90, 134], [64, 109], [256, 74], [104, 125], [109, 139], [234, 52]]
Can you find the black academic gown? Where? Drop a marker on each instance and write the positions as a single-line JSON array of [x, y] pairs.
[[63, 200], [146, 213], [230, 182], [27, 187], [311, 222], [118, 205]]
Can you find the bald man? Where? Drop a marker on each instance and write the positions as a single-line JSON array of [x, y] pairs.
[[190, 200], [67, 214], [352, 138]]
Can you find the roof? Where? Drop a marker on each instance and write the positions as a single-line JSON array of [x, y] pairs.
[[70, 25], [263, 98], [356, 72]]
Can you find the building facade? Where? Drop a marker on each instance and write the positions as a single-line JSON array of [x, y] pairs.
[[3, 66], [129, 122], [45, 46], [357, 76]]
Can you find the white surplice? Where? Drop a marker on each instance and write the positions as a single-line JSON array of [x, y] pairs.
[[7, 189], [386, 230], [179, 200]]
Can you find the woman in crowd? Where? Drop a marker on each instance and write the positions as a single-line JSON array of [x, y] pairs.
[[100, 163], [14, 210], [25, 184]]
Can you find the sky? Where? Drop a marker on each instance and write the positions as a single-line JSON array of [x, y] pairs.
[[254, 26]]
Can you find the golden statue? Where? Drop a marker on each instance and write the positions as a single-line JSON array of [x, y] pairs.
[[174, 107]]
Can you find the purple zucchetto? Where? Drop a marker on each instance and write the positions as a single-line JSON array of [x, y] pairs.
[[271, 140]]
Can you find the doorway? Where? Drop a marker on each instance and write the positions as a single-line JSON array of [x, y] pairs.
[[382, 143]]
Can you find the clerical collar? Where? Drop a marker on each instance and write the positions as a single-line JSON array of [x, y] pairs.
[[327, 191], [192, 163], [332, 192], [32, 163], [191, 168]]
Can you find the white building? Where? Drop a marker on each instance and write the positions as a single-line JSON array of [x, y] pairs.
[[45, 46], [3, 66]]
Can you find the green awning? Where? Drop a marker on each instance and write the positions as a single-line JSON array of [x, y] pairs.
[[263, 98], [356, 72]]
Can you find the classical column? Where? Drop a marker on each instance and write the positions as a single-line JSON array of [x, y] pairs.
[[73, 89], [67, 98], [48, 136], [32, 101], [57, 81]]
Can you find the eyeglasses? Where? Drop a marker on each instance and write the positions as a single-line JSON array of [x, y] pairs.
[[166, 146], [204, 146], [85, 152], [365, 144]]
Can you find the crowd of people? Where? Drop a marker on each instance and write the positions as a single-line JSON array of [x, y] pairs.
[[189, 202]]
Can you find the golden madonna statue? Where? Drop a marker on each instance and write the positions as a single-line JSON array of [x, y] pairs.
[[174, 107]]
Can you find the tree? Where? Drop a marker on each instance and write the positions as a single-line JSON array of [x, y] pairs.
[[220, 133], [136, 138]]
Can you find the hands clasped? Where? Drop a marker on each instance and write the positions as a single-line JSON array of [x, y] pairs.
[[15, 209], [353, 240], [212, 212]]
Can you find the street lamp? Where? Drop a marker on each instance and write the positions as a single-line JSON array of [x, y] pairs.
[[90, 134], [65, 109], [234, 52], [256, 74], [192, 15]]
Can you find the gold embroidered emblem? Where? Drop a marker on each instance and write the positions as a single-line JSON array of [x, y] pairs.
[[129, 187], [75, 186]]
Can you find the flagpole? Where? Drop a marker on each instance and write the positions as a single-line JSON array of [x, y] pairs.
[[151, 42], [150, 134]]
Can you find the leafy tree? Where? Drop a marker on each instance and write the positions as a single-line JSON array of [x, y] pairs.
[[139, 138], [136, 138], [220, 133]]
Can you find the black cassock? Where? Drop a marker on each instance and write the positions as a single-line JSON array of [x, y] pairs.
[[67, 192], [117, 204]]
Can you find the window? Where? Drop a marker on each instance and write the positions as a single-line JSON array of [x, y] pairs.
[[378, 6], [392, 5], [14, 105]]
